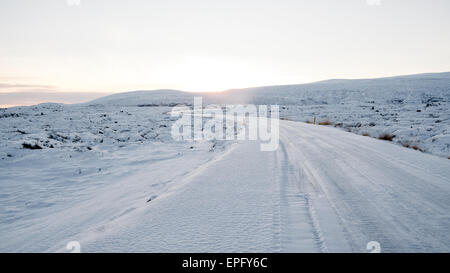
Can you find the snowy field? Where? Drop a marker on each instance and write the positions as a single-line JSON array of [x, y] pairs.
[[56, 157], [108, 174]]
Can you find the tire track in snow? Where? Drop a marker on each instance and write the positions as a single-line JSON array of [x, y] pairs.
[[300, 221]]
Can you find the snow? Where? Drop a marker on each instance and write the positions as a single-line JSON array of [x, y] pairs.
[[53, 195], [108, 174]]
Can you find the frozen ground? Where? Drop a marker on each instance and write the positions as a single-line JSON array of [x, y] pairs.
[[109, 175]]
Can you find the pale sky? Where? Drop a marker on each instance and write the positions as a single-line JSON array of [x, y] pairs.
[[212, 45]]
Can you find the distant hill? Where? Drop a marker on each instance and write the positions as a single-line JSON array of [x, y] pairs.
[[414, 88]]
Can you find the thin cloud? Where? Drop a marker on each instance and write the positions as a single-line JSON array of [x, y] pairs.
[[28, 86], [31, 97]]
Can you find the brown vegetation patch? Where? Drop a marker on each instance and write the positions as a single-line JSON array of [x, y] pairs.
[[387, 137]]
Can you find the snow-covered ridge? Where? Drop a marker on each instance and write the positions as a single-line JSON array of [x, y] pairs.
[[165, 97], [414, 88]]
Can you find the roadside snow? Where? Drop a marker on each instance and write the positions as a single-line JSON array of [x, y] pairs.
[[84, 167]]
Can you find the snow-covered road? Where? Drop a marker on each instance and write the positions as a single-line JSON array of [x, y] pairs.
[[322, 190], [363, 189]]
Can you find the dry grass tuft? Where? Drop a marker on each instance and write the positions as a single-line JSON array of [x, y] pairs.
[[387, 137], [325, 122], [417, 148], [414, 147], [365, 134]]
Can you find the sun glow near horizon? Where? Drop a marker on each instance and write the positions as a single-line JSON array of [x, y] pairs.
[[215, 74]]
